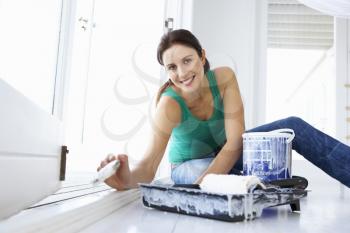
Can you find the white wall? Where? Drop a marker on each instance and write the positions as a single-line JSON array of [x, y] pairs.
[[342, 42], [230, 32]]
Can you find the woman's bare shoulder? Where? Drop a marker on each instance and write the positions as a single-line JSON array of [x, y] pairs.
[[225, 77], [169, 109], [224, 74]]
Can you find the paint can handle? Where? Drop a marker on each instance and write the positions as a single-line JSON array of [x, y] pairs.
[[285, 130]]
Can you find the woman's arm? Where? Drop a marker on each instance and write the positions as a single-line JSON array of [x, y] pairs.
[[167, 116], [234, 124]]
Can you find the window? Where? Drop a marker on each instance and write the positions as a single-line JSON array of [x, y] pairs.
[[301, 70], [29, 46], [123, 79]]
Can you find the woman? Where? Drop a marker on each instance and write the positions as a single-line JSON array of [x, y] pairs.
[[200, 113]]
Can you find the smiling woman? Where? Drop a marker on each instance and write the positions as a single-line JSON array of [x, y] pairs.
[[184, 67], [200, 115], [181, 62]]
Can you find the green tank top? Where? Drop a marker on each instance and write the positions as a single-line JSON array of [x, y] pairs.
[[194, 138]]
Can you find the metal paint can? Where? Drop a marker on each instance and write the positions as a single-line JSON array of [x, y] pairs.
[[268, 155]]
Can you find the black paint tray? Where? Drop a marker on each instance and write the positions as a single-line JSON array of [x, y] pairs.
[[240, 207]]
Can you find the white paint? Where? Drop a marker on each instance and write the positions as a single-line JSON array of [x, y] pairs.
[[229, 184], [106, 172], [202, 203]]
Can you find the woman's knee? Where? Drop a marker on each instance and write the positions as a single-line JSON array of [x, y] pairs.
[[293, 122]]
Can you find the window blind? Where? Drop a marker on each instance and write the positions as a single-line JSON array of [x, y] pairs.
[[296, 26]]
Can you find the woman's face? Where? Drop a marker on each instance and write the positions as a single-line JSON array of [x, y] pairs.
[[184, 67]]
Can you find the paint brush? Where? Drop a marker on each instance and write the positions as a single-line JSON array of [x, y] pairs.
[[106, 172]]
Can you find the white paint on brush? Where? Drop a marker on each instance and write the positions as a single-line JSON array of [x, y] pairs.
[[106, 172]]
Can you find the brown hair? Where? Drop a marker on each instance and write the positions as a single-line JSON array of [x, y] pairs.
[[180, 36]]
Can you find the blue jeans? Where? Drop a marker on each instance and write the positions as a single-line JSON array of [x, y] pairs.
[[327, 153]]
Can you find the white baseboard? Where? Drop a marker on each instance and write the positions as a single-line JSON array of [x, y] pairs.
[[69, 214]]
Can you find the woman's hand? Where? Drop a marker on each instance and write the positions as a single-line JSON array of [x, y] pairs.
[[122, 179]]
